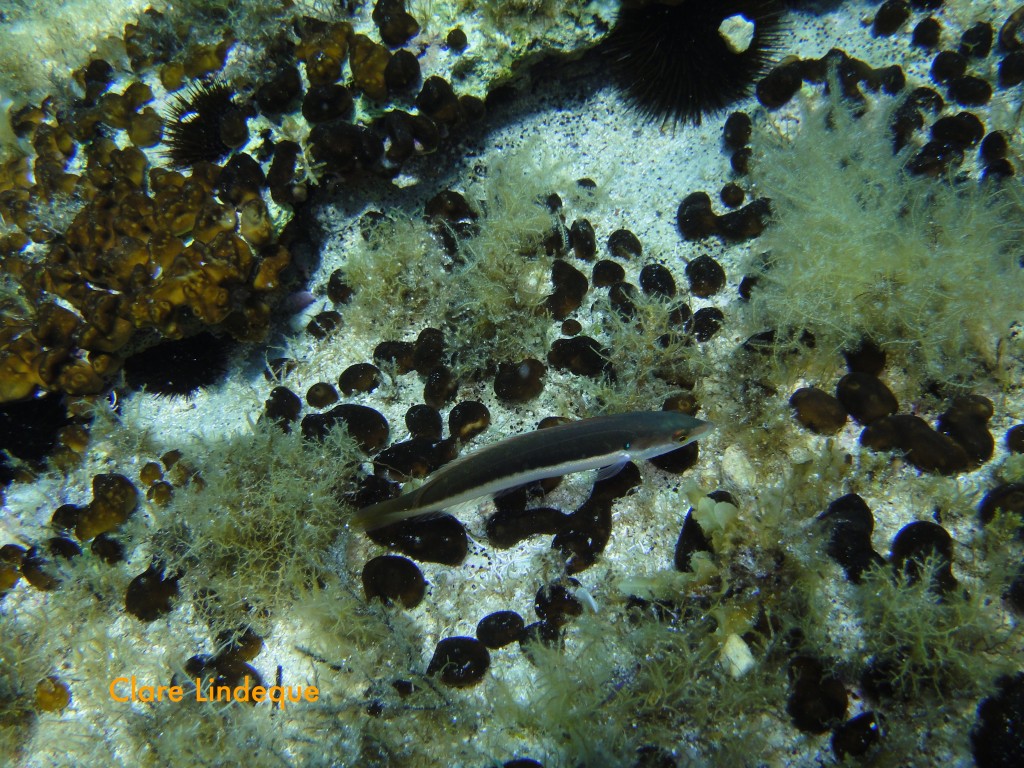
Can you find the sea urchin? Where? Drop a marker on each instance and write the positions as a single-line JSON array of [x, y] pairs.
[[681, 59]]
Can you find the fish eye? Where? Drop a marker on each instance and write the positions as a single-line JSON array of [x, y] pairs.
[[680, 435]]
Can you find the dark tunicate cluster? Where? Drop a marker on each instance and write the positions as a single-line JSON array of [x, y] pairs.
[[995, 737], [890, 16], [850, 522], [501, 628], [922, 446], [966, 421], [324, 324], [697, 220], [705, 276], [865, 397], [736, 135], [360, 378], [321, 395], [509, 526], [705, 323], [519, 382], [657, 280], [927, 34], [782, 83], [365, 425], [151, 594], [917, 542], [468, 420], [817, 700], [283, 407], [583, 240], [459, 662], [585, 532], [390, 578], [581, 355], [818, 411], [424, 422], [623, 244], [556, 605], [857, 737], [607, 273], [1008, 497], [440, 539], [570, 289]]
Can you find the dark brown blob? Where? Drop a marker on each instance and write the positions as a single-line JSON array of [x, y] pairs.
[[963, 130], [456, 40], [360, 377], [740, 161], [1015, 439], [344, 148], [656, 280], [745, 223], [397, 26], [996, 735], [994, 147], [540, 632], [677, 461], [107, 549], [150, 595], [428, 350], [324, 324], [890, 17], [406, 460], [441, 387], [501, 628], [970, 91], [449, 206], [460, 662], [402, 72], [867, 358], [1011, 70], [279, 94], [691, 539], [365, 425], [818, 411], [557, 605], [737, 130], [948, 65], [966, 421], [321, 394], [623, 244], [706, 276], [33, 568], [1008, 497], [438, 101], [570, 289], [621, 296], [586, 531], [865, 397], [468, 419], [926, 449], [607, 273], [695, 218], [583, 239], [856, 737], [114, 498], [849, 523], [394, 579], [816, 700], [705, 323], [571, 327], [283, 407], [281, 177], [976, 41], [65, 517], [424, 422], [440, 539], [780, 85], [581, 355], [927, 34], [917, 542], [731, 195], [508, 527], [397, 354], [519, 382], [327, 102]]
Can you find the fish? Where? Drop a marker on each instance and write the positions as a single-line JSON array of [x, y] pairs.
[[605, 443]]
